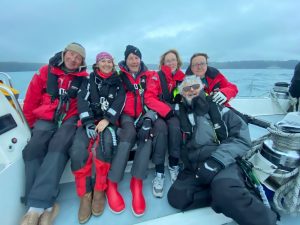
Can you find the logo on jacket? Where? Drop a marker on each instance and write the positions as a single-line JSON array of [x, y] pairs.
[[104, 104]]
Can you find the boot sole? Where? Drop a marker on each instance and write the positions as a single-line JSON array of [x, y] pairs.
[[156, 195], [97, 213], [137, 215], [85, 220]]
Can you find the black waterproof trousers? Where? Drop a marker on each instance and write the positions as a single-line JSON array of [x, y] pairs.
[[127, 136], [167, 138], [45, 158], [226, 194]]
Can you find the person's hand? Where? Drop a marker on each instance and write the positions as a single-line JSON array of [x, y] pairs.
[[102, 125], [219, 98], [145, 132], [207, 171], [90, 130]]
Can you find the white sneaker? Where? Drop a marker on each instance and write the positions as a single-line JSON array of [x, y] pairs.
[[158, 185], [174, 170]]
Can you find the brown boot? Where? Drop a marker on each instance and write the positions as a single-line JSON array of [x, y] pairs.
[[30, 218], [48, 217], [98, 202], [85, 209]]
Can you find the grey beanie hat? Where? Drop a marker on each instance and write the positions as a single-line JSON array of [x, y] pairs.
[[75, 47]]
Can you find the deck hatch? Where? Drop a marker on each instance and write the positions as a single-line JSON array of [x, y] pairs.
[[7, 123]]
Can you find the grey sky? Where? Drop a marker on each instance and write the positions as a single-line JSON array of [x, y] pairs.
[[33, 30]]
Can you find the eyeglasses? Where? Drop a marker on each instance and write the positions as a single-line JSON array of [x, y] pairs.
[[188, 88], [170, 61], [199, 64]]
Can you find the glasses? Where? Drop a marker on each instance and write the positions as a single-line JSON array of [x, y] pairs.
[[199, 64], [170, 61], [188, 88]]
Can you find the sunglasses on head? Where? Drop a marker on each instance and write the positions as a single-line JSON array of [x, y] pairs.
[[188, 88]]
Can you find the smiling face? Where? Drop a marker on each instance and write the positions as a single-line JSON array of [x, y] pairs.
[[171, 61], [133, 62], [105, 65], [72, 60], [199, 66], [191, 91], [190, 87]]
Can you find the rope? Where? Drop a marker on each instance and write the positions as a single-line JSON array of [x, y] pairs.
[[284, 140], [256, 146], [287, 197]]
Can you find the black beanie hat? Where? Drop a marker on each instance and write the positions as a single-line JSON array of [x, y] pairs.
[[132, 49]]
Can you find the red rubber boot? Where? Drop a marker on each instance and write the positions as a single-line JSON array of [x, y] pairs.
[[114, 198], [138, 200]]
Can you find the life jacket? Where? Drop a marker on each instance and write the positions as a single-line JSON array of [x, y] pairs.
[[103, 93], [136, 89], [55, 92], [167, 96], [187, 121]]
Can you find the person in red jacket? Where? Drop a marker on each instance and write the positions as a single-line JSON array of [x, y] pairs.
[[161, 97], [50, 108], [135, 127], [215, 82]]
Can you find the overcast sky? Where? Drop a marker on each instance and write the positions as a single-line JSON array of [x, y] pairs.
[[33, 30]]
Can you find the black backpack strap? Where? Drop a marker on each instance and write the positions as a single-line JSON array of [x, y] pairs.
[[52, 86], [164, 87]]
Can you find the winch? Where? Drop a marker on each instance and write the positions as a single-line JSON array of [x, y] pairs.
[[279, 154], [280, 90]]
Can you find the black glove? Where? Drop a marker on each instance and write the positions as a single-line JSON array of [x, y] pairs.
[[208, 170], [145, 131], [90, 130], [177, 98], [170, 114]]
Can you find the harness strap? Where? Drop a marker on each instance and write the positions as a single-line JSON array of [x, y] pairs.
[[136, 89], [164, 87]]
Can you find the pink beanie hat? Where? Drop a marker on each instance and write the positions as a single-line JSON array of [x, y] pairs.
[[103, 55]]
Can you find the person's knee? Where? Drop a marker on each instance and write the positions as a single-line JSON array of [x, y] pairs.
[[174, 123], [79, 156], [177, 198], [160, 126], [127, 133], [224, 192], [37, 146]]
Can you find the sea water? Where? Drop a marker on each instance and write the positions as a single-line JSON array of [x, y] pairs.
[[250, 82]]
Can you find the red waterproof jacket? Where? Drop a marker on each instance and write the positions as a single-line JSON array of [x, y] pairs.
[[38, 104], [153, 93], [133, 104], [215, 79]]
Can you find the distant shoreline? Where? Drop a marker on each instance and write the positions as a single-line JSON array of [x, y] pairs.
[[249, 64]]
